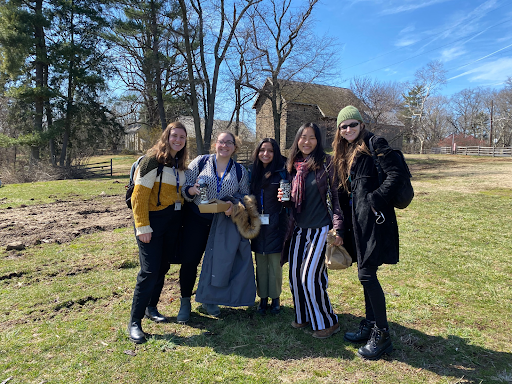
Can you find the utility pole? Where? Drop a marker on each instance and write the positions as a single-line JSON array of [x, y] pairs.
[[490, 134]]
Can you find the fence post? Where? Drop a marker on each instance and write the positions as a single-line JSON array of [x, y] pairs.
[[110, 167]]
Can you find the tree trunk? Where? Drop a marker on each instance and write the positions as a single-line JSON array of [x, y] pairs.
[[69, 106], [157, 69], [277, 103], [39, 66], [190, 69]]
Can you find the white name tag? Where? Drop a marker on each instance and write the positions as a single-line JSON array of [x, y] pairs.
[[264, 219], [177, 206]]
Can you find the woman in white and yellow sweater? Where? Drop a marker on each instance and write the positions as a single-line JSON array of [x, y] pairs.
[[157, 211]]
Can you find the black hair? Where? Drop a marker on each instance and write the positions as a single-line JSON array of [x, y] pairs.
[[260, 174], [316, 157]]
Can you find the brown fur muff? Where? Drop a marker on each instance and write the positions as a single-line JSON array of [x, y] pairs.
[[246, 217]]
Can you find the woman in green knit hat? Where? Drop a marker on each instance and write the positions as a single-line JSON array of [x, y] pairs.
[[371, 231]]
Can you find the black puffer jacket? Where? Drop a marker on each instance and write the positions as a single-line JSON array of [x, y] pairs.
[[270, 239], [376, 244]]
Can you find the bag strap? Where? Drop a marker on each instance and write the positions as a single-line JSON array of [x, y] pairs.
[[204, 160], [134, 167], [329, 192], [376, 160], [159, 171]]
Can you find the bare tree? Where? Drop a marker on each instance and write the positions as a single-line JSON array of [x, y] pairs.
[[149, 65], [379, 99], [469, 116], [502, 116], [436, 120], [286, 48], [428, 80], [215, 32]]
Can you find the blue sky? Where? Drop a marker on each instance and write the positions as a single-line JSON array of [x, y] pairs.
[[390, 39]]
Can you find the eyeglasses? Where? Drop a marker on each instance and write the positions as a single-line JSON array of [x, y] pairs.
[[351, 125], [228, 142]]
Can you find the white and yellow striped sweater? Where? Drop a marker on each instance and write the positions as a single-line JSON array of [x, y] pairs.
[[145, 193]]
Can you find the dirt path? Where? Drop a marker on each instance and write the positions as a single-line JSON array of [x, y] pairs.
[[62, 221]]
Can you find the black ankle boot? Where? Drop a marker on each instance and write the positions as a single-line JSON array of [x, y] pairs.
[[263, 305], [362, 334], [153, 315], [135, 332], [275, 307], [378, 344]]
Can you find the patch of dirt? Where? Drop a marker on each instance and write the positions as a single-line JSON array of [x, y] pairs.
[[62, 221]]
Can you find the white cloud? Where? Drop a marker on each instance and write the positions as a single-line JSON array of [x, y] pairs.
[[406, 37], [494, 71], [450, 54], [411, 6], [405, 41]]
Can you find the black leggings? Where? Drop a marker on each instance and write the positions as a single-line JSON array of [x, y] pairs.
[[374, 299], [191, 247], [154, 258]]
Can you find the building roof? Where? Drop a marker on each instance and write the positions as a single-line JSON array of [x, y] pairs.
[[329, 100], [218, 125]]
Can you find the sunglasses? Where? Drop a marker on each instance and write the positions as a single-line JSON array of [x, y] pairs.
[[351, 125]]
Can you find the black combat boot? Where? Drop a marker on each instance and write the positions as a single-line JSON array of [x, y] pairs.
[[378, 344], [275, 306], [362, 334], [135, 332], [262, 307], [153, 315]]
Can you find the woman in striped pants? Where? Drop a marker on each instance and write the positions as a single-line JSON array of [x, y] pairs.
[[315, 209]]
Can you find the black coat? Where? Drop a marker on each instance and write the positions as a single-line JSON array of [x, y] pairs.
[[270, 239], [376, 244]]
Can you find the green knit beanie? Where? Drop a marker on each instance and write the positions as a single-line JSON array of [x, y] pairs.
[[348, 113]]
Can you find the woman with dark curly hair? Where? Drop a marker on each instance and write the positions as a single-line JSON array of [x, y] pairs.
[[157, 212]]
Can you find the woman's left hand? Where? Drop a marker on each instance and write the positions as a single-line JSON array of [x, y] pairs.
[[338, 241], [230, 209]]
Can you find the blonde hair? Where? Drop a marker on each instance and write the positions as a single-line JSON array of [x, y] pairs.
[[162, 148], [345, 153]]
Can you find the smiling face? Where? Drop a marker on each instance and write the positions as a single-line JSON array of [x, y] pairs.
[[350, 133], [307, 141], [225, 145], [177, 140], [266, 154]]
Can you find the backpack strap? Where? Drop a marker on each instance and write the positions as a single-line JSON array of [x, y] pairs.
[[238, 169], [376, 160], [202, 162], [134, 167], [159, 171]]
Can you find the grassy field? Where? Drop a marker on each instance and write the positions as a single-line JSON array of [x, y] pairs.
[[64, 307]]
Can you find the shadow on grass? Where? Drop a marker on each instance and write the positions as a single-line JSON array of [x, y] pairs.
[[242, 331]]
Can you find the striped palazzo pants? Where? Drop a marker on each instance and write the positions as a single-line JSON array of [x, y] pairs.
[[308, 278]]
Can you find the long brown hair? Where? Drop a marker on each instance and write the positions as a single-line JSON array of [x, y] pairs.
[[345, 154], [162, 148], [317, 156]]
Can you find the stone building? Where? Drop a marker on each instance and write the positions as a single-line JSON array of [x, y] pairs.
[[320, 104]]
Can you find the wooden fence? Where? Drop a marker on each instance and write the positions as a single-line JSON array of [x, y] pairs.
[[101, 169], [475, 151]]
